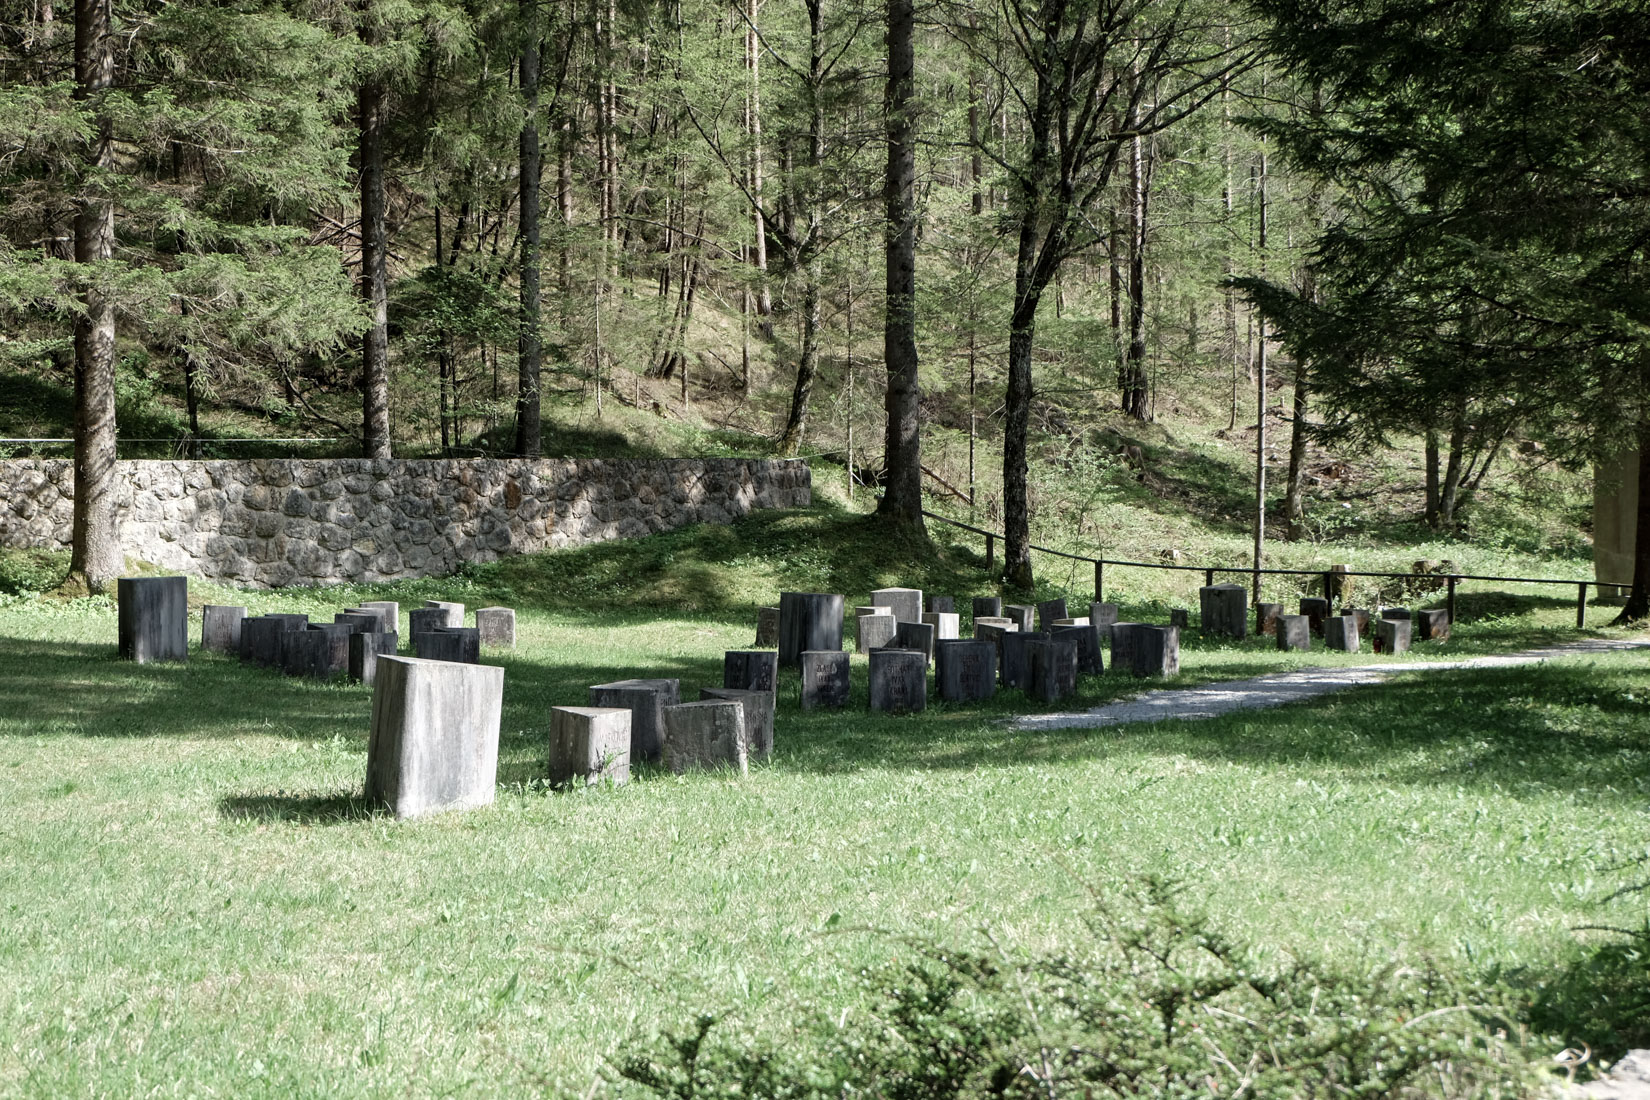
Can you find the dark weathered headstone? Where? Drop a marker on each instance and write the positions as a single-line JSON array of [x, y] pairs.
[[993, 633], [364, 651], [1180, 618], [899, 680], [918, 636], [451, 643], [1362, 616], [824, 679], [1315, 608], [1088, 646], [390, 609], [752, 669], [808, 620], [905, 603], [759, 706], [455, 611], [1076, 620], [646, 700], [1397, 613], [382, 623], [423, 620], [1023, 614], [965, 671], [1101, 616], [589, 745], [1122, 646], [1394, 635], [360, 621], [1048, 611], [153, 618], [1266, 617], [947, 625], [767, 626], [1433, 626], [708, 735], [1294, 632], [497, 626], [939, 605], [434, 742], [1051, 672], [1016, 666], [1340, 633], [261, 637], [1156, 651], [988, 607], [1225, 610], [320, 651], [875, 631], [995, 620], [221, 627]]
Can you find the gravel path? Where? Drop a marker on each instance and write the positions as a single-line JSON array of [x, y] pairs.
[[1213, 700]]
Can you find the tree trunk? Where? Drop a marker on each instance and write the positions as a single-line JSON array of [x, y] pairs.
[[372, 106], [902, 449], [1638, 599], [790, 441], [529, 350], [1448, 492], [1134, 385], [1294, 503], [753, 132], [1017, 571], [96, 555], [1431, 513]]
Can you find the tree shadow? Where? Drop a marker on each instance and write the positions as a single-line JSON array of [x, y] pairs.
[[341, 808], [1600, 998]]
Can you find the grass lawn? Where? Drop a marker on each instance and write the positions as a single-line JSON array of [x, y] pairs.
[[193, 900]]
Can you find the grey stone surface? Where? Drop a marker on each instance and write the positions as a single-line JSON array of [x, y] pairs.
[[1294, 632], [320, 651], [455, 611], [221, 627], [153, 618], [1397, 613], [423, 620], [1073, 621], [434, 740], [824, 679], [808, 620], [875, 631], [1023, 614], [1393, 635], [269, 523], [1340, 633], [993, 633], [1048, 611], [360, 621], [1051, 670], [767, 626], [1122, 646], [589, 745], [918, 636], [497, 626], [646, 700], [1628, 1078], [1362, 616], [759, 708], [753, 669], [965, 671], [706, 736], [1101, 616], [939, 605], [1266, 618], [1180, 617], [261, 637], [947, 625], [995, 620], [390, 609], [1315, 608], [988, 607], [364, 651], [1087, 639], [1156, 651], [899, 680], [1433, 625], [1224, 609], [449, 643], [905, 603], [1016, 665]]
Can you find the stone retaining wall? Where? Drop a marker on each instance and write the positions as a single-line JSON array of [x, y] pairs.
[[272, 522]]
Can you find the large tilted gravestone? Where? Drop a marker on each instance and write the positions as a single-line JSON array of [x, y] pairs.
[[988, 607], [1266, 618], [947, 624], [1432, 626], [1294, 632], [751, 669], [993, 633], [434, 742], [965, 671], [1315, 608], [261, 637], [1340, 633], [1024, 615], [320, 651], [364, 650], [1393, 635], [497, 626], [153, 618], [1101, 617], [1088, 646], [1016, 665], [1048, 611], [875, 631], [767, 626], [824, 679], [1156, 651], [919, 636], [759, 707], [450, 643], [939, 605], [1051, 672], [589, 745], [221, 627], [1225, 610], [646, 700], [455, 611], [425, 620], [1122, 646], [905, 603], [808, 620], [899, 681], [708, 735]]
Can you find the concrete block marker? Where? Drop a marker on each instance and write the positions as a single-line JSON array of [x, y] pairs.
[[1294, 632], [1021, 613], [751, 669], [899, 681], [1087, 639], [1076, 620], [646, 700], [390, 609], [706, 736], [1224, 609], [759, 706], [808, 620], [1156, 651], [455, 611], [153, 618], [1393, 635], [1122, 645], [875, 631], [1101, 617], [1016, 666], [1362, 616], [1048, 611], [497, 626], [1051, 672], [450, 643], [940, 605], [589, 745], [988, 607], [1315, 608], [1180, 617], [434, 741], [1432, 626], [947, 624], [261, 638], [364, 651], [424, 620], [918, 636], [993, 633], [360, 621], [1397, 613], [221, 627], [905, 603], [767, 626], [1340, 633], [320, 651], [824, 679], [996, 620], [965, 671], [1266, 618]]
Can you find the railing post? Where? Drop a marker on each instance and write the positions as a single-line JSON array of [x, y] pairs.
[[1581, 605], [1099, 579], [1450, 604], [1208, 578], [990, 552]]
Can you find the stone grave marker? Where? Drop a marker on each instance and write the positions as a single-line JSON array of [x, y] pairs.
[[1023, 614], [434, 741], [875, 631], [940, 605], [1156, 651], [1087, 639], [1433, 626], [1016, 665], [1294, 632], [360, 621], [1101, 617], [825, 678], [988, 607], [221, 627], [905, 603], [708, 735], [808, 620], [947, 624], [450, 643], [381, 621], [589, 745], [455, 611], [1122, 645], [1397, 613], [1051, 672], [965, 671], [497, 626], [390, 609], [899, 680], [320, 651], [1048, 611], [1266, 617], [1315, 608], [364, 651], [767, 626], [759, 706], [1363, 618], [153, 618], [424, 620], [1394, 635], [646, 700], [1224, 609], [1082, 620], [1340, 633], [996, 620], [1180, 618], [918, 636], [751, 669], [993, 633], [261, 637]]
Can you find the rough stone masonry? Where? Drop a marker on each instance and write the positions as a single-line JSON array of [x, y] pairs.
[[268, 523]]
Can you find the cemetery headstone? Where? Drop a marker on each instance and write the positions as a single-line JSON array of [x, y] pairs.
[[1101, 617], [261, 637], [759, 706], [1016, 665], [382, 623], [965, 671], [1122, 646], [1048, 611], [1087, 639], [1394, 635], [1397, 613], [455, 611], [988, 607], [1224, 609], [221, 627], [1294, 632], [1180, 618], [589, 745], [434, 741], [905, 603], [1340, 633], [947, 624], [1433, 626], [450, 643], [497, 626], [940, 605], [320, 651], [1051, 673], [646, 700], [153, 618], [1156, 651], [390, 609], [808, 620], [360, 621], [825, 679], [751, 669], [364, 651], [918, 636], [996, 620], [1266, 617], [899, 680], [875, 631], [1316, 609], [1023, 614], [1073, 621], [425, 620], [708, 735], [1362, 616], [767, 626], [993, 633]]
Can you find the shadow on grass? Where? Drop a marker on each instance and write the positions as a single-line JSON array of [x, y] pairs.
[[303, 809], [1601, 998]]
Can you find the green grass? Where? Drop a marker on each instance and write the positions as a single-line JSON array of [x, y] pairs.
[[196, 901]]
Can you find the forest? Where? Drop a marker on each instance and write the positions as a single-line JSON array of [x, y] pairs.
[[416, 227]]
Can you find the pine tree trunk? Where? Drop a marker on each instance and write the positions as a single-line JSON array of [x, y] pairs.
[[1448, 493], [372, 105], [529, 350], [753, 133], [1431, 512], [1638, 599], [1017, 571], [1134, 387], [96, 555], [1294, 503], [790, 441]]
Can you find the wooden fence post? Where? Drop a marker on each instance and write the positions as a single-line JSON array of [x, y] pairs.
[[1581, 605]]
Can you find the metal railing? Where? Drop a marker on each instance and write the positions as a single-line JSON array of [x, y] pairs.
[[1451, 580]]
